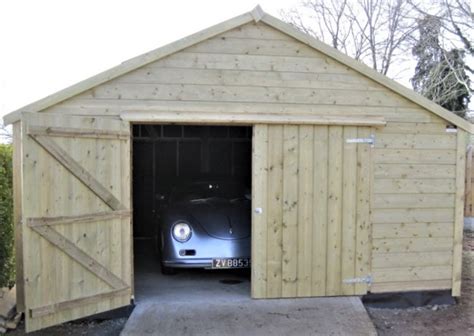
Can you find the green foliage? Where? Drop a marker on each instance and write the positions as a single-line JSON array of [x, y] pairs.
[[7, 262], [440, 75]]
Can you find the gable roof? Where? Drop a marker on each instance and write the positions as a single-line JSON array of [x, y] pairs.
[[257, 14]]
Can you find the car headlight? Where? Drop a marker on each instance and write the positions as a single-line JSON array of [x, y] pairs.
[[181, 232]]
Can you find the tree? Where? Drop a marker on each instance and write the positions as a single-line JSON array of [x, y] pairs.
[[456, 20], [440, 75], [427, 50], [376, 32], [5, 134], [7, 258], [460, 19]]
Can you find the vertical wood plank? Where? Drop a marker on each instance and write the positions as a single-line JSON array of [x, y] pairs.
[[274, 214], [349, 195], [84, 200], [110, 176], [363, 227], [115, 256], [468, 184], [471, 178], [320, 214], [20, 291], [130, 224], [259, 220], [459, 213], [32, 255], [128, 273], [124, 267], [290, 211], [50, 256], [67, 267], [305, 210], [334, 234]]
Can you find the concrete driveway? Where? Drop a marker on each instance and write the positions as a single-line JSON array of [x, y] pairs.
[[197, 302]]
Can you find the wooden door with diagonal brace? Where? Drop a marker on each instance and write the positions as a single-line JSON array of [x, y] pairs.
[[75, 229]]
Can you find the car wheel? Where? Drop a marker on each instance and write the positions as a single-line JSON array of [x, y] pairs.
[[167, 270]]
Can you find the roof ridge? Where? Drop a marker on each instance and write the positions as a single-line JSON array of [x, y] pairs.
[[257, 13]]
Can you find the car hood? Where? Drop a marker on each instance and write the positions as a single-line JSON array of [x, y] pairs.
[[221, 219]]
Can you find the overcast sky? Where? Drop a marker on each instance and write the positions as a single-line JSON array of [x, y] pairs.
[[47, 45]]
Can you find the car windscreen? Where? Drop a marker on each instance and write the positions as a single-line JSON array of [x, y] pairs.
[[209, 190]]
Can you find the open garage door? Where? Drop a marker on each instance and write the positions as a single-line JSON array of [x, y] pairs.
[[310, 226], [75, 232]]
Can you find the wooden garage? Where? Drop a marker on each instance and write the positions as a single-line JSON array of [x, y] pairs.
[[357, 182]]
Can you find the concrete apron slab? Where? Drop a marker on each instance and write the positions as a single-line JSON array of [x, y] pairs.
[[309, 316]]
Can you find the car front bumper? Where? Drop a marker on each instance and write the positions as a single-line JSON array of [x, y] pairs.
[[203, 251], [188, 263]]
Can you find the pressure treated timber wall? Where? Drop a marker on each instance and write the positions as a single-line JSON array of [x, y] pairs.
[[312, 234], [256, 69], [75, 217]]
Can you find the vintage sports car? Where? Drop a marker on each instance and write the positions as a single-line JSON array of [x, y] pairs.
[[206, 224]]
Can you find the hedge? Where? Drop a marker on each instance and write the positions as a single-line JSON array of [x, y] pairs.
[[7, 261]]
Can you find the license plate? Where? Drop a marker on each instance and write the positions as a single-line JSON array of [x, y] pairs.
[[231, 263]]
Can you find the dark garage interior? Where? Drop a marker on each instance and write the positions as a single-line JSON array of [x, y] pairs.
[[165, 156]]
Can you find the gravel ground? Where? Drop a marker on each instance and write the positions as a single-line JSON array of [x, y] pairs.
[[437, 320], [87, 328]]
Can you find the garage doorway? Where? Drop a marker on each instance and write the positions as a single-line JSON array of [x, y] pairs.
[[170, 158]]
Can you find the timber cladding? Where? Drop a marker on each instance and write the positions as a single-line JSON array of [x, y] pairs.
[[312, 235], [76, 226], [332, 213], [253, 70]]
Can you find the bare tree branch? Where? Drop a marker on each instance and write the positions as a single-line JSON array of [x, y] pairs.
[[440, 74], [373, 31], [456, 18], [5, 134]]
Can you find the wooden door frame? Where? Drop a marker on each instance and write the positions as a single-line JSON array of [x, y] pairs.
[[248, 120], [167, 122]]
